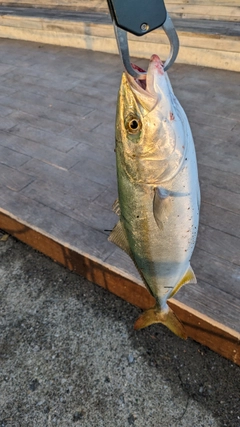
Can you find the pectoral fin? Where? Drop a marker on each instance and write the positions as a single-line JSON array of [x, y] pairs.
[[118, 237], [189, 277], [161, 204]]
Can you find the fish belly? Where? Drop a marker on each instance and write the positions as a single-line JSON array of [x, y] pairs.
[[162, 256]]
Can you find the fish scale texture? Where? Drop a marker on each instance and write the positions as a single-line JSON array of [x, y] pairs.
[[70, 357]]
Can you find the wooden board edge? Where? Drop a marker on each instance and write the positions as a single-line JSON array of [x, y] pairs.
[[203, 329], [199, 327]]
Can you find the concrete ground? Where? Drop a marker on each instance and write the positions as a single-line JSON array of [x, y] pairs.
[[70, 357]]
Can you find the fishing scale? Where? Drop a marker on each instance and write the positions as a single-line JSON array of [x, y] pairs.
[[140, 17]]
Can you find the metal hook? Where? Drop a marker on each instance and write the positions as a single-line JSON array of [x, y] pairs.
[[122, 41]]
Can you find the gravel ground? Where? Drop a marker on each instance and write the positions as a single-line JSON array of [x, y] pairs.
[[70, 357]]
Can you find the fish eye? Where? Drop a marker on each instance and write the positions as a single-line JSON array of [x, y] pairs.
[[133, 125]]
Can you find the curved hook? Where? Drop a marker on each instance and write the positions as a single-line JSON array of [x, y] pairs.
[[172, 36], [122, 41]]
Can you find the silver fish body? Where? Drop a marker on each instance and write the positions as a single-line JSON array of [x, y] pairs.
[[158, 189]]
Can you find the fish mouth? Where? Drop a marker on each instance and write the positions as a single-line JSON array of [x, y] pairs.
[[145, 82], [141, 80], [146, 87]]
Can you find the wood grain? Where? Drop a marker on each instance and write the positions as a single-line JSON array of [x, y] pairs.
[[200, 328], [202, 43], [206, 9]]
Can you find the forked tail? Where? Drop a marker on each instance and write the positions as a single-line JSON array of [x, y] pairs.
[[167, 318]]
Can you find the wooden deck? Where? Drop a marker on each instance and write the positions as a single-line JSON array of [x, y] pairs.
[[58, 181]]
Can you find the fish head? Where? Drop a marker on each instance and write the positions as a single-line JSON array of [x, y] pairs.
[[149, 126]]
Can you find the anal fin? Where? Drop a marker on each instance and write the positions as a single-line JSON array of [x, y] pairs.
[[189, 277], [118, 237]]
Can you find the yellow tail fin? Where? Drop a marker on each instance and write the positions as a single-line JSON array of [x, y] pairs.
[[167, 318]]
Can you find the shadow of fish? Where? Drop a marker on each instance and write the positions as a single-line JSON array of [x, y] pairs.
[[158, 189]]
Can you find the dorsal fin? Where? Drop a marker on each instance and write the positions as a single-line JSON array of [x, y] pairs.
[[116, 207]]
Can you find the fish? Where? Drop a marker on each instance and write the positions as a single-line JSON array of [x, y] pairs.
[[158, 189]]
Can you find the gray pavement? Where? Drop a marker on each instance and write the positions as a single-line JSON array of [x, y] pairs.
[[70, 357]]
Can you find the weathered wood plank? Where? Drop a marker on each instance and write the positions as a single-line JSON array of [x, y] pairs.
[[193, 25], [221, 59], [102, 3], [55, 223], [222, 198], [197, 8], [211, 334], [35, 150], [203, 2], [220, 219], [222, 52], [207, 11], [216, 158], [218, 273], [220, 180], [62, 180], [12, 158], [204, 26], [211, 241], [217, 148], [201, 118], [13, 179], [213, 301]]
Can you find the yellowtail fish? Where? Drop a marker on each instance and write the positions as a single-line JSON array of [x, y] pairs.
[[158, 189]]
